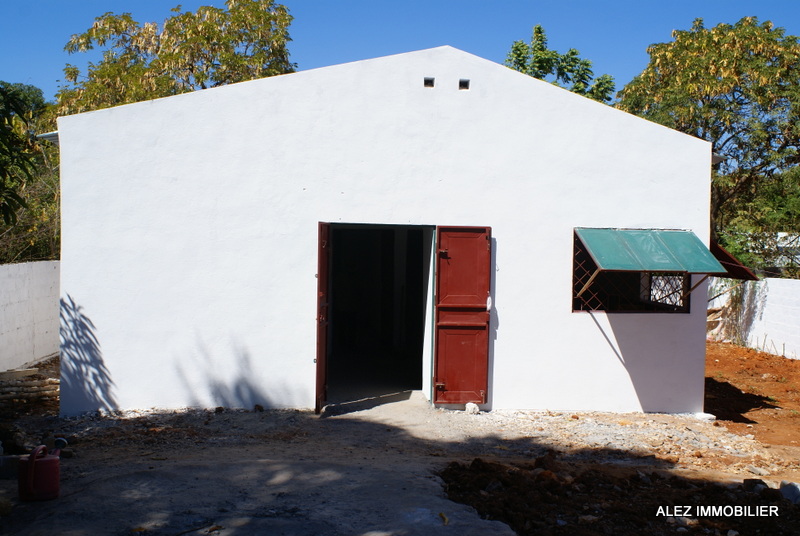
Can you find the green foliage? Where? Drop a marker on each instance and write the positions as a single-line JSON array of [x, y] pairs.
[[192, 50], [36, 234], [16, 159], [761, 226], [564, 70], [30, 228], [30, 97], [737, 86], [772, 206]]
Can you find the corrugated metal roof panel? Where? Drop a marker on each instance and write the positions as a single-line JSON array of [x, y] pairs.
[[648, 250], [49, 136]]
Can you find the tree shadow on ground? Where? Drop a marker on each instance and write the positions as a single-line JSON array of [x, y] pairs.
[[729, 403], [550, 497], [237, 473]]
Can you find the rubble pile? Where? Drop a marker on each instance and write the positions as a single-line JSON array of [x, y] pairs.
[[36, 392]]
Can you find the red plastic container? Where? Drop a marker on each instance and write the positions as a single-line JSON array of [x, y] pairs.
[[39, 475]]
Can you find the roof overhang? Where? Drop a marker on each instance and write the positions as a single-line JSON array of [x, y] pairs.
[[734, 269], [52, 137]]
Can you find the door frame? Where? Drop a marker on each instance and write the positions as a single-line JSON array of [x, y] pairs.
[[324, 252]]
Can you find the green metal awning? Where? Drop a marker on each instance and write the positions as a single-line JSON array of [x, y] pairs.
[[648, 250]]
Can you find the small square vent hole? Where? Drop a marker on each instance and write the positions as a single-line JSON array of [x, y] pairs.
[[428, 81], [463, 83]]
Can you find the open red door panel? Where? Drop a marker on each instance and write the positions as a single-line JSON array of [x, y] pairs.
[[323, 305], [463, 279]]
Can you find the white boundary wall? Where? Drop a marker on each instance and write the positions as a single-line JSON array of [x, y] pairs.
[[769, 319], [29, 294]]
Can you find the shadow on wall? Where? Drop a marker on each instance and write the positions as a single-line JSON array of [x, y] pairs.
[[745, 305], [663, 384], [240, 392], [86, 383]]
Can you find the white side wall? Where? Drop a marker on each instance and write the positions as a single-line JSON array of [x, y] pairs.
[[190, 229], [769, 315], [28, 312]]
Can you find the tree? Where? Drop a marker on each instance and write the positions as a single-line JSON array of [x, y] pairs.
[[737, 86], [36, 233], [566, 70], [16, 156], [192, 50], [30, 228], [31, 97], [761, 226]]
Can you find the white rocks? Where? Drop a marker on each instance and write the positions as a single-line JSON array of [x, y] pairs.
[[757, 470], [681, 439], [471, 409]]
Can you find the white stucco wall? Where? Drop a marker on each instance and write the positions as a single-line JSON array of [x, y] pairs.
[[190, 228], [28, 312], [776, 327], [768, 315]]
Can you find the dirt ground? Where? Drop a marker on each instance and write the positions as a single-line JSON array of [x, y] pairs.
[[399, 467], [750, 393], [754, 393]]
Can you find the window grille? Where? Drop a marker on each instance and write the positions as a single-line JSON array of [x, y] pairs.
[[618, 292]]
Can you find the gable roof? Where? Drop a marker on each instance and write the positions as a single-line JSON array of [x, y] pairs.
[[398, 81]]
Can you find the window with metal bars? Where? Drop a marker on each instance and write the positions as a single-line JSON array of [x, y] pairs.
[[624, 292]]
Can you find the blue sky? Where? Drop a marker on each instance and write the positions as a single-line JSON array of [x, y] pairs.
[[613, 34]]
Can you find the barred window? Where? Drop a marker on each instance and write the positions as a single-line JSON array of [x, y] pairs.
[[625, 291]]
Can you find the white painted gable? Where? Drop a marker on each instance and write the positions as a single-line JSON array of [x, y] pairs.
[[190, 230]]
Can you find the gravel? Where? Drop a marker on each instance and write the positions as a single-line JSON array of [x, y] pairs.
[[356, 470]]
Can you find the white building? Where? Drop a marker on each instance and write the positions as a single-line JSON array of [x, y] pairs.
[[279, 242]]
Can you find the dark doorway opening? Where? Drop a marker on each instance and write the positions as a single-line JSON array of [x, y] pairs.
[[379, 278]]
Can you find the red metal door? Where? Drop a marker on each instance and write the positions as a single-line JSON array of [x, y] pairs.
[[463, 279], [323, 306]]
